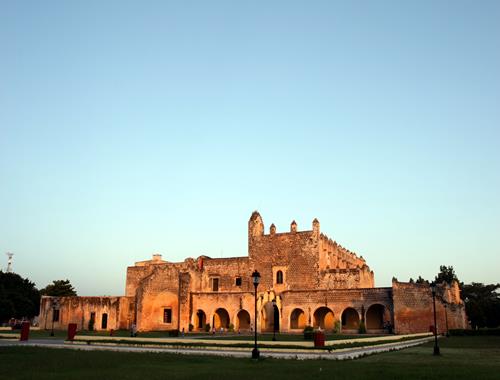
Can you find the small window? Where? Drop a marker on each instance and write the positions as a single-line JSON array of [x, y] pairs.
[[279, 277], [104, 321], [55, 316], [167, 315], [215, 284], [238, 281]]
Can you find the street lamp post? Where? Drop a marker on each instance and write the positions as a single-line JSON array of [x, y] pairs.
[[255, 279], [433, 290], [274, 319]]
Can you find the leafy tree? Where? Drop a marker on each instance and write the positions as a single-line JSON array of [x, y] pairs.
[[482, 304], [59, 288], [420, 280], [446, 274], [19, 298]]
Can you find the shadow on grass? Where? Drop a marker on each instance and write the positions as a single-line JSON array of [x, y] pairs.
[[463, 358]]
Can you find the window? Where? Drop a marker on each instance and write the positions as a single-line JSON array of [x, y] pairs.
[[215, 284], [104, 321], [279, 277], [238, 281], [167, 315], [55, 316]]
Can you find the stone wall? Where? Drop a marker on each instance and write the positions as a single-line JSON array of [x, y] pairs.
[[171, 285], [413, 308], [79, 310]]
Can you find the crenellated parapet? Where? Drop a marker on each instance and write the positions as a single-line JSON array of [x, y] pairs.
[[335, 256]]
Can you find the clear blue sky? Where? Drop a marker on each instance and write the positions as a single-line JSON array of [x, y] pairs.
[[129, 128]]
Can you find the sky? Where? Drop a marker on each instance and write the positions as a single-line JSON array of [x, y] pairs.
[[133, 128]]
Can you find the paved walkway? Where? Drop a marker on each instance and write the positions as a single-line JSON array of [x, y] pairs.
[[340, 354], [227, 340]]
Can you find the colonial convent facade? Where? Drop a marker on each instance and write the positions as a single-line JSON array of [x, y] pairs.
[[313, 280]]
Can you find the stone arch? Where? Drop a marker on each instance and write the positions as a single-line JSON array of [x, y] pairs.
[[350, 319], [297, 319], [201, 320], [375, 317], [221, 319], [323, 318], [243, 320]]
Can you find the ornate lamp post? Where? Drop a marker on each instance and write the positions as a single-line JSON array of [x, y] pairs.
[[55, 306], [256, 280], [433, 290], [274, 319]]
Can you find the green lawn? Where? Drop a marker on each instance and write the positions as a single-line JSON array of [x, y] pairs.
[[180, 343], [463, 358], [39, 334], [62, 334], [285, 337]]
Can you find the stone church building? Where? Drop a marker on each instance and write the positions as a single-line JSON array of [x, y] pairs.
[[312, 279]]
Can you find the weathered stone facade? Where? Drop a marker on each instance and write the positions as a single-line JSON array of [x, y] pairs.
[[313, 280]]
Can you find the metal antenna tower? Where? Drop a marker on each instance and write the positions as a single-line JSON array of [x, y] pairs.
[[9, 262]]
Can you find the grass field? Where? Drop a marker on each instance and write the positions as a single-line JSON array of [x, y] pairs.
[[462, 358], [62, 334], [287, 337]]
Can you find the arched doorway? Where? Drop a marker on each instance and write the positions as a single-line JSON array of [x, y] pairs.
[[221, 319], [104, 321], [350, 319], [270, 314], [323, 317], [243, 320], [201, 320], [297, 319], [375, 317]]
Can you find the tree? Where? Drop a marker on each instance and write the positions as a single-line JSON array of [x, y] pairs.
[[482, 304], [59, 288], [420, 280], [446, 274], [19, 298]]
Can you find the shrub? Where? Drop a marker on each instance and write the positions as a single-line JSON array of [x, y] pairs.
[[173, 333], [207, 327], [362, 327], [91, 325], [336, 329], [480, 332], [308, 333], [191, 327], [231, 327]]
